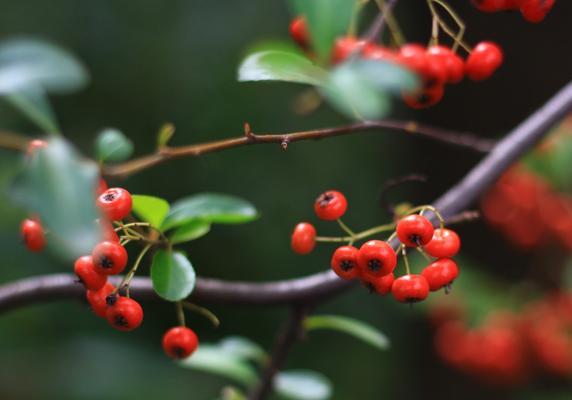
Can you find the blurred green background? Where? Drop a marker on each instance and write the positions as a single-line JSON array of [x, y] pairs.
[[175, 61]]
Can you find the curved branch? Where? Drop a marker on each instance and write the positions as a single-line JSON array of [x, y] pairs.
[[324, 284]]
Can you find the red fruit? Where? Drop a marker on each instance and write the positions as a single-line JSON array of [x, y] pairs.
[[376, 258], [379, 53], [34, 145], [432, 70], [425, 98], [483, 61], [495, 5], [345, 46], [303, 238], [444, 244], [299, 31], [115, 203], [109, 258], [97, 299], [410, 288], [87, 274], [180, 342], [440, 273], [33, 235], [330, 205], [107, 231], [415, 230], [379, 284], [345, 262], [454, 65], [125, 314], [535, 10]]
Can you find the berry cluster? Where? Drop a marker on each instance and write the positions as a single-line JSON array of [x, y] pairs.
[[374, 262], [509, 348], [531, 10]]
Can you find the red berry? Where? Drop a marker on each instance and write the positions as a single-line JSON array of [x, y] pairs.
[[432, 70], [98, 299], [410, 288], [33, 235], [379, 53], [101, 187], [495, 5], [115, 203], [454, 65], [89, 277], [34, 145], [345, 262], [180, 342], [376, 258], [444, 244], [379, 284], [107, 231], [425, 98], [299, 31], [303, 238], [440, 273], [483, 61], [330, 205], [535, 10], [109, 258], [345, 46], [124, 314], [414, 230]]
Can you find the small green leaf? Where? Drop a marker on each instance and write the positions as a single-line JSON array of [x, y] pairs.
[[275, 65], [303, 385], [353, 327], [112, 145], [165, 134], [150, 209], [213, 359], [172, 275], [192, 230], [210, 207], [243, 348]]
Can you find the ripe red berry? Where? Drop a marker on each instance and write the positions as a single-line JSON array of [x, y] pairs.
[[109, 258], [379, 53], [97, 299], [425, 98], [376, 258], [432, 70], [345, 262], [535, 10], [125, 314], [33, 235], [440, 273], [483, 61], [330, 205], [115, 203], [410, 288], [299, 32], [454, 65], [87, 274], [180, 342], [414, 230], [303, 238], [345, 46], [444, 244], [379, 284]]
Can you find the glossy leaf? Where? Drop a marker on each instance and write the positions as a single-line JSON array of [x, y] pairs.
[[192, 230], [112, 145], [210, 207], [150, 209], [302, 385], [172, 275], [243, 348], [350, 326]]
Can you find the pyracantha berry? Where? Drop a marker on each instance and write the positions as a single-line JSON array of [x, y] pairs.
[[444, 244], [345, 46], [379, 53], [378, 284], [454, 65], [109, 258], [432, 70], [410, 288], [125, 314], [180, 342], [33, 235], [97, 299], [424, 98], [115, 203], [535, 10], [414, 230], [88, 275], [330, 205], [299, 32], [303, 238], [376, 258], [108, 231], [483, 61], [440, 273], [345, 262]]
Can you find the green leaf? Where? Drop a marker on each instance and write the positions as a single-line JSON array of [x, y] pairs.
[[59, 185], [275, 65], [353, 327], [327, 20], [243, 348], [165, 134], [172, 275], [34, 104], [192, 230], [150, 209], [210, 207], [213, 359], [112, 145], [303, 385]]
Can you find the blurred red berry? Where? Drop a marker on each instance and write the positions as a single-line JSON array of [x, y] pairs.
[[87, 274], [97, 299], [299, 32], [483, 61], [303, 238], [444, 244], [180, 342], [440, 273], [125, 314], [379, 284], [33, 235], [410, 288]]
